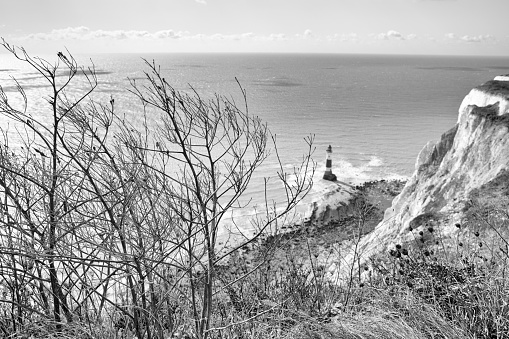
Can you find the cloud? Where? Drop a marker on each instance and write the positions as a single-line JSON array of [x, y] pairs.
[[84, 33], [390, 35], [234, 37], [168, 34], [467, 38], [395, 35], [203, 2], [277, 37], [479, 38], [138, 34], [470, 39], [307, 35], [69, 33], [118, 35]]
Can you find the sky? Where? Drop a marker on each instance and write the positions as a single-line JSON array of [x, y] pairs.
[[430, 27]]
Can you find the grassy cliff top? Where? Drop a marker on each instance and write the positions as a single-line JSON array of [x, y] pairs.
[[495, 87]]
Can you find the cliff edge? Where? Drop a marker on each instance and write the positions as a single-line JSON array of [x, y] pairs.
[[469, 156]]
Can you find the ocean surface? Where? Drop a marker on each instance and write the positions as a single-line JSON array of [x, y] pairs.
[[376, 111]]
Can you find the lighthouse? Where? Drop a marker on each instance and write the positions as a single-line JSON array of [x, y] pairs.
[[328, 175]]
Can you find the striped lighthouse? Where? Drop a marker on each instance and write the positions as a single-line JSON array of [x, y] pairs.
[[328, 175]]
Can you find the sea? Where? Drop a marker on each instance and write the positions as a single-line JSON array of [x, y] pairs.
[[376, 111]]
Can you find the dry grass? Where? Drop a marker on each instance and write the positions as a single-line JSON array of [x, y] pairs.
[[434, 288]]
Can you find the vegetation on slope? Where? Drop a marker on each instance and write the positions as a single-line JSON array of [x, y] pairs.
[[495, 87]]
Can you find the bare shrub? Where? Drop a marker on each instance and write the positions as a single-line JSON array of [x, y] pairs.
[[114, 225]]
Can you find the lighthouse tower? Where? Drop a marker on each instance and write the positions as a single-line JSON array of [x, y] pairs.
[[328, 175]]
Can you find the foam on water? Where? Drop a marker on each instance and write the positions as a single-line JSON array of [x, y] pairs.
[[345, 171], [375, 162]]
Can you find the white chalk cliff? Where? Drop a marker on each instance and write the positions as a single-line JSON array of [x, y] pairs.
[[473, 153]]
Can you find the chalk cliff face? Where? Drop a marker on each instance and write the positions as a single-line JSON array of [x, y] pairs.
[[473, 153]]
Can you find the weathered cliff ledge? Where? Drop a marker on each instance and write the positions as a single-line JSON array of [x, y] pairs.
[[468, 157]]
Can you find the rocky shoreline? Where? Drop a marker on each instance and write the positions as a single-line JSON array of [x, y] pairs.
[[317, 240]]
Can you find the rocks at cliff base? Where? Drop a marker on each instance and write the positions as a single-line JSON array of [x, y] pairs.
[[330, 176]]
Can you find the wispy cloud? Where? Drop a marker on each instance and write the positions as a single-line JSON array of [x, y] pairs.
[[395, 35], [84, 33], [168, 34], [470, 38], [69, 33], [203, 2], [307, 34], [391, 34], [479, 38], [277, 36]]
